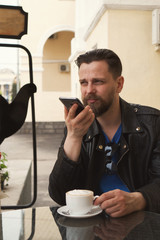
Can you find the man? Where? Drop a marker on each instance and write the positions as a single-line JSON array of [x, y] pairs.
[[111, 147]]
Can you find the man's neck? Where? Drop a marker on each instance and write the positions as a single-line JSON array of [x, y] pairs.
[[110, 121]]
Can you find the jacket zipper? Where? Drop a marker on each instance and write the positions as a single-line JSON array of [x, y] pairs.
[[117, 166]]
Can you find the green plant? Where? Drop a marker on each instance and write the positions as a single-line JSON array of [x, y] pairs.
[[3, 168]]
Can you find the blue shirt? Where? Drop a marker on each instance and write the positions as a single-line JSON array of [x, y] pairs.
[[112, 181]]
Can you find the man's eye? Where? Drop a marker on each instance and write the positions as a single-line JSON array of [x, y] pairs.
[[83, 83], [98, 82]]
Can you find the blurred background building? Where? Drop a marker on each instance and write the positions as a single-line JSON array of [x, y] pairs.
[[60, 30]]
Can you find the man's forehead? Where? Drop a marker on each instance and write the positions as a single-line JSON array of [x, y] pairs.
[[95, 64], [95, 68]]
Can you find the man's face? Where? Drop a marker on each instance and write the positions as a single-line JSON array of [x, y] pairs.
[[98, 88]]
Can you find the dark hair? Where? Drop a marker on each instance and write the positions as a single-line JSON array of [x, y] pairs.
[[111, 58]]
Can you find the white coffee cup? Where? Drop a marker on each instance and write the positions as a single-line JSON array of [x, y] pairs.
[[79, 201]]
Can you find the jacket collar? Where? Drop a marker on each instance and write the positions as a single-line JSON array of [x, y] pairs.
[[130, 123], [94, 130]]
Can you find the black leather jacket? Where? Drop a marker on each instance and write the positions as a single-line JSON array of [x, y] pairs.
[[138, 166]]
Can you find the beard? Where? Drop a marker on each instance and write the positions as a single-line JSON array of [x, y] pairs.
[[100, 106]]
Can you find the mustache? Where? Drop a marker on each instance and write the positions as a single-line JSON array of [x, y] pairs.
[[92, 97]]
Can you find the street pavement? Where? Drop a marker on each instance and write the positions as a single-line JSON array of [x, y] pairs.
[[19, 146]]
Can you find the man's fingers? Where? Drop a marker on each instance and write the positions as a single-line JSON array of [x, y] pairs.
[[105, 196], [72, 111]]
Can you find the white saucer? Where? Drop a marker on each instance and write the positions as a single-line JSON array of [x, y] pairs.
[[94, 211]]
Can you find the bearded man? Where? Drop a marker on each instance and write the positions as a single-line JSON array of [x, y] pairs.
[[111, 147]]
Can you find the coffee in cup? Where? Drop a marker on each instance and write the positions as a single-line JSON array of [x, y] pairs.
[[79, 201]]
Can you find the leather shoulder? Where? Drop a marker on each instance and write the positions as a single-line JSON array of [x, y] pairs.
[[145, 110]]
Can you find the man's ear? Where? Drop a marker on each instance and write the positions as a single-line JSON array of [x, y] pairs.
[[120, 82]]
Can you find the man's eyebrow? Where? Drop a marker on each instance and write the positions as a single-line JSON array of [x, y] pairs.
[[99, 78], [82, 79]]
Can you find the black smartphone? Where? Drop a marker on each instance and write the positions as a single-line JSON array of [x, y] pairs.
[[68, 102]]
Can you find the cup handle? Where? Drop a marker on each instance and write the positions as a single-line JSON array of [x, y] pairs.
[[94, 198]]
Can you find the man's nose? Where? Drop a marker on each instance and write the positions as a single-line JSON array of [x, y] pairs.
[[90, 88]]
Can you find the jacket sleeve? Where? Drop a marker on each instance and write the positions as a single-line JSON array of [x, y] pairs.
[[151, 191], [66, 175]]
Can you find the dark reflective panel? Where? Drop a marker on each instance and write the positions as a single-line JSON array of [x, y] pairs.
[[139, 226], [46, 223]]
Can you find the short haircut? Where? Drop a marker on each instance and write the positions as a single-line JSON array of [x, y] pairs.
[[111, 58]]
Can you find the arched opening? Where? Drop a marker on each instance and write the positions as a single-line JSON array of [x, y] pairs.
[[56, 68]]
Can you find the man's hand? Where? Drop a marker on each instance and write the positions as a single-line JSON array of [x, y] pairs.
[[77, 127], [118, 203]]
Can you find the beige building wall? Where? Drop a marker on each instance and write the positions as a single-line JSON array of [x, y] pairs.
[[45, 18], [140, 60], [129, 34], [125, 26], [127, 30], [55, 59]]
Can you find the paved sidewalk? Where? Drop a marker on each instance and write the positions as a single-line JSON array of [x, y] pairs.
[[19, 146]]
